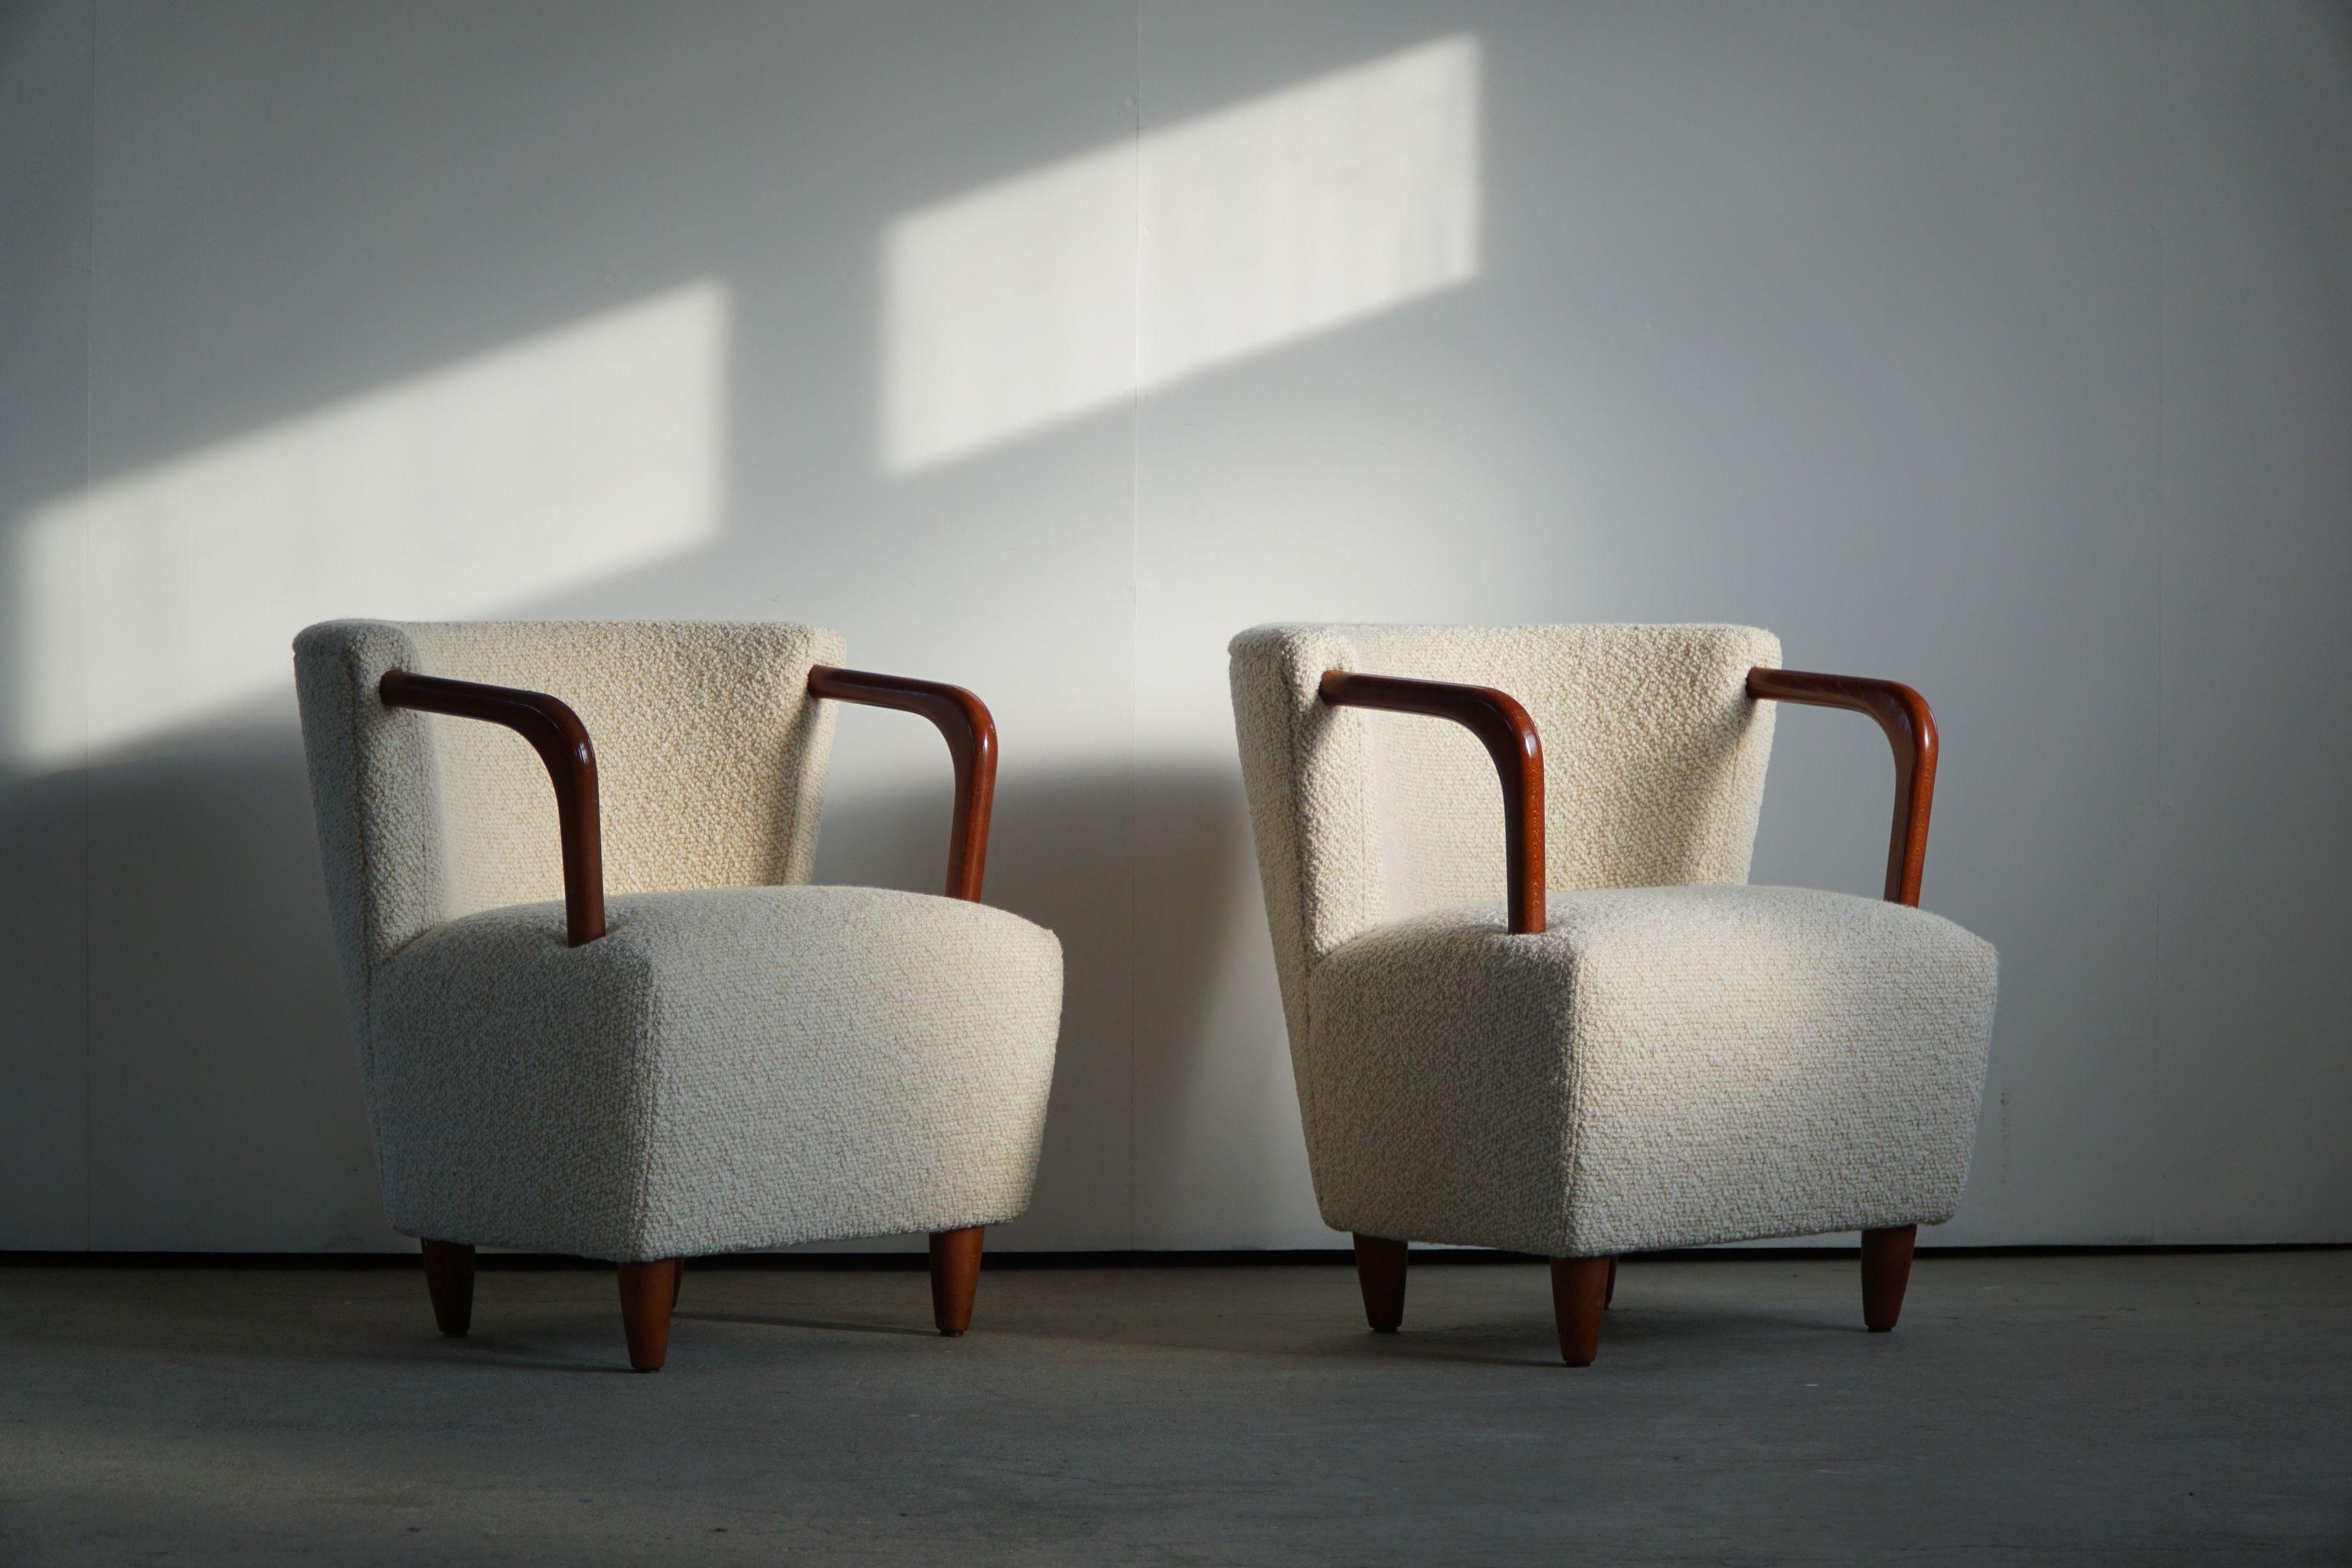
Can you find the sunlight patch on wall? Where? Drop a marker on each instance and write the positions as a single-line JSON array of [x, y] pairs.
[[157, 598], [1047, 297]]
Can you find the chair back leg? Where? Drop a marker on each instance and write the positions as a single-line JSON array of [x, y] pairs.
[[1379, 1270], [449, 1281]]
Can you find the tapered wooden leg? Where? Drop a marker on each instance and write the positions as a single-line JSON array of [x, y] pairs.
[[955, 1277], [1379, 1270], [449, 1281], [1886, 1270], [1580, 1293], [648, 1291], [1610, 1298]]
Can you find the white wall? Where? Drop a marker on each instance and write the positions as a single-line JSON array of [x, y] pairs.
[[2001, 348]]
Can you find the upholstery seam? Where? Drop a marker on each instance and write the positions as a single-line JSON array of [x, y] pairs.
[[642, 1209], [1310, 958], [361, 837], [1572, 1146]]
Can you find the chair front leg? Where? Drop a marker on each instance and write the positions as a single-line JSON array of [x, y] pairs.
[[955, 1277], [1580, 1294], [1885, 1272], [648, 1292]]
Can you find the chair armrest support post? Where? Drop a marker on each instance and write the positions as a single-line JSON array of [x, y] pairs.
[[1910, 728], [556, 733], [965, 724], [1509, 737]]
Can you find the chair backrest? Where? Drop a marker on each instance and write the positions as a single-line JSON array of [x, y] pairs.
[[710, 761], [1653, 769]]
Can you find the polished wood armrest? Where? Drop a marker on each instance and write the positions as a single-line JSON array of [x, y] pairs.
[[559, 737], [1509, 737], [1910, 728], [971, 733]]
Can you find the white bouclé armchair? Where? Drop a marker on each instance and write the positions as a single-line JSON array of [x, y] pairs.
[[724, 1056], [1552, 1018]]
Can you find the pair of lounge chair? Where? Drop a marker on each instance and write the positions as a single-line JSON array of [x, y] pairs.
[[1547, 1016]]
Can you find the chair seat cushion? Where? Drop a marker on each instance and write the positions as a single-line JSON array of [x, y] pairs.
[[1663, 1067], [725, 1068]]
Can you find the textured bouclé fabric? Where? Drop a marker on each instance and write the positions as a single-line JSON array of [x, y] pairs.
[[742, 1067], [1662, 1066], [742, 1061], [1681, 1058]]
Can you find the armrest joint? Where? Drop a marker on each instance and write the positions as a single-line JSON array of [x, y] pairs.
[[556, 733], [970, 730], [1507, 732], [1910, 727]]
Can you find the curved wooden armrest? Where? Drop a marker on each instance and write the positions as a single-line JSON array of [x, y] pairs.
[[1509, 737], [971, 734], [555, 733], [1910, 728]]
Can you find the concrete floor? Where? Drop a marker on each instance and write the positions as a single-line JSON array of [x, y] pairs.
[[2150, 1408]]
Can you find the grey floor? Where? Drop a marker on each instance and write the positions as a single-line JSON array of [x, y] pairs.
[[2150, 1408]]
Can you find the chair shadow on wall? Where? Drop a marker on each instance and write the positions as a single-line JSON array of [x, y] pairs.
[[1134, 870], [216, 1035], [217, 1038]]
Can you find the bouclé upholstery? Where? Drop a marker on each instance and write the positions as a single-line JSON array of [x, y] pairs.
[[1679, 1058], [729, 1068], [742, 1060]]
